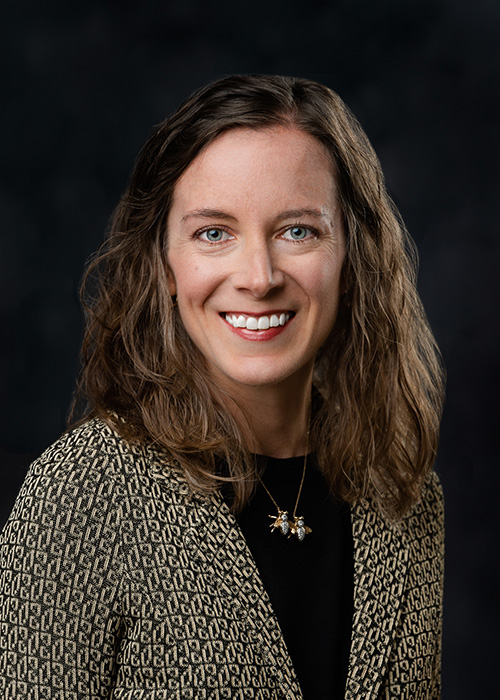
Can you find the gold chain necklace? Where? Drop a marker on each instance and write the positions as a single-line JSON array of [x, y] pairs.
[[281, 521]]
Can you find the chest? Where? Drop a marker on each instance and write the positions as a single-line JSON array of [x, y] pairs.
[[195, 611]]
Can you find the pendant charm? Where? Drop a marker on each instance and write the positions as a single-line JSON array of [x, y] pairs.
[[299, 529], [281, 522]]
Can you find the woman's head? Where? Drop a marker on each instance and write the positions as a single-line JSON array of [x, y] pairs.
[[263, 102], [374, 370]]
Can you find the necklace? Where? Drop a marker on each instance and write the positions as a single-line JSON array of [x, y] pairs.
[[281, 521]]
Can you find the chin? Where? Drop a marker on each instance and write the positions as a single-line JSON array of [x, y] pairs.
[[265, 375]]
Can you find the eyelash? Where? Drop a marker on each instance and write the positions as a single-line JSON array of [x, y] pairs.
[[199, 234]]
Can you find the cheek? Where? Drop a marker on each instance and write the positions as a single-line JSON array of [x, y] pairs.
[[194, 282], [323, 282], [327, 296]]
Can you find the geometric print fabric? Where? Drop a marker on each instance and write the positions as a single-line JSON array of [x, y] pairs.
[[117, 582]]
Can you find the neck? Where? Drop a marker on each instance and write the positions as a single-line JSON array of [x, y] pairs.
[[274, 419]]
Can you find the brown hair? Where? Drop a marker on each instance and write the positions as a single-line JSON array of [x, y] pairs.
[[375, 430]]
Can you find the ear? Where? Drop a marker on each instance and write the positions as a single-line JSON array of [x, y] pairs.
[[172, 287]]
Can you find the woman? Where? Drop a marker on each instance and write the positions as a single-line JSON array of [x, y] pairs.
[[255, 347]]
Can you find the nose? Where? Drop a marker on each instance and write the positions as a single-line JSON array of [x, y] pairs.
[[258, 270]]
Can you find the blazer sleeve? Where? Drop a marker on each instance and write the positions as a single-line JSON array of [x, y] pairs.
[[59, 581]]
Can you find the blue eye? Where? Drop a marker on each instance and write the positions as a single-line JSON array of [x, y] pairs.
[[214, 235], [297, 233]]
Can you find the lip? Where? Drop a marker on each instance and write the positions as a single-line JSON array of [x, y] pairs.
[[275, 322]]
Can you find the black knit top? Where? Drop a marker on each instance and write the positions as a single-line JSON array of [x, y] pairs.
[[309, 582]]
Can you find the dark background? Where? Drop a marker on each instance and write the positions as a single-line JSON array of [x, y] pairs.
[[82, 85]]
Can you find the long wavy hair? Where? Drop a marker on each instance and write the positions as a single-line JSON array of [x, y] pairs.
[[375, 429]]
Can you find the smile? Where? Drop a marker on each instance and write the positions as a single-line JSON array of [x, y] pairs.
[[258, 323]]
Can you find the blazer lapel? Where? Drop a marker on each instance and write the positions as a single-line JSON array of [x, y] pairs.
[[243, 589], [218, 548], [380, 566]]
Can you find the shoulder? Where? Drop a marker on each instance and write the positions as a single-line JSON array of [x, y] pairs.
[[94, 439], [91, 469], [95, 449], [91, 451], [423, 532], [427, 515], [420, 531]]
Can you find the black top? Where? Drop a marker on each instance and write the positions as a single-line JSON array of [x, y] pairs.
[[309, 582]]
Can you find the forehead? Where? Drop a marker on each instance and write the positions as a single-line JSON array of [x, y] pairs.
[[246, 162]]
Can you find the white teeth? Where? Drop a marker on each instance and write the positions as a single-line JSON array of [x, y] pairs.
[[254, 323]]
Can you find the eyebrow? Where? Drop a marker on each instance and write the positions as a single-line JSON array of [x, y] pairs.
[[289, 214], [298, 213], [207, 214]]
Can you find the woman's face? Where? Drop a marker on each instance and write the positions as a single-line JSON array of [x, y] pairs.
[[255, 254]]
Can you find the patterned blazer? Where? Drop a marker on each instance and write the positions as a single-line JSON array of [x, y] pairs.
[[117, 583]]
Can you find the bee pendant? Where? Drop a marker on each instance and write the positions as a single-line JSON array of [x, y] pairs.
[[281, 522], [299, 529]]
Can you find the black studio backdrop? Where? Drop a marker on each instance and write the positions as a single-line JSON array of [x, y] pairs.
[[82, 85]]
